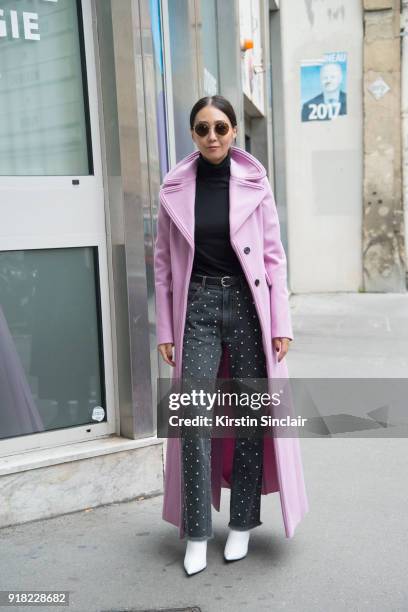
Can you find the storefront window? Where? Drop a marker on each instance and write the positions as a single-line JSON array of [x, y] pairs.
[[50, 351], [186, 24], [182, 32], [43, 114]]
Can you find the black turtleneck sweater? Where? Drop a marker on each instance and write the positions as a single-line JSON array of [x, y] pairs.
[[214, 255]]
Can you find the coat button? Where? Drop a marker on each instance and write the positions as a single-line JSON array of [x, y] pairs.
[[257, 281], [247, 250]]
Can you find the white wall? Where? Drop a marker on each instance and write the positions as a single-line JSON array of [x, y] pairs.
[[324, 159]]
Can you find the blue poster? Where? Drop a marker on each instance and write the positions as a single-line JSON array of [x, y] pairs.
[[323, 87]]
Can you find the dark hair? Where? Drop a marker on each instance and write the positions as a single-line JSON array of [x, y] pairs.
[[219, 102]]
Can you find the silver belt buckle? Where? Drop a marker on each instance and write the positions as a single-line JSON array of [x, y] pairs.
[[222, 281]]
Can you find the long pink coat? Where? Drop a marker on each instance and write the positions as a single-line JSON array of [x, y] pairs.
[[254, 223]]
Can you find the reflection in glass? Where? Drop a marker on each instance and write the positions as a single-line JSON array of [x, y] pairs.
[[18, 412], [50, 347]]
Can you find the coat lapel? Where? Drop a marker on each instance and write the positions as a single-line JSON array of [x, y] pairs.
[[245, 197], [178, 201], [178, 197]]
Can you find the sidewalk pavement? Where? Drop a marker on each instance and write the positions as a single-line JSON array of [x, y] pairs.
[[350, 553]]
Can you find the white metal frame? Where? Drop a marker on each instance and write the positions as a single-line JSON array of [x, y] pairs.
[[83, 217]]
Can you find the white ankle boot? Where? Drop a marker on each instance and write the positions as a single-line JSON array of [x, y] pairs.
[[195, 558], [236, 546]]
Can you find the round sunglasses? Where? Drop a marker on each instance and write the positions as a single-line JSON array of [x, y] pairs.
[[220, 127]]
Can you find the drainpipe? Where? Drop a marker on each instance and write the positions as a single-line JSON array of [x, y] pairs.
[[404, 115]]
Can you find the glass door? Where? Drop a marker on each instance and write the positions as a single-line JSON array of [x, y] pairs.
[[55, 353]]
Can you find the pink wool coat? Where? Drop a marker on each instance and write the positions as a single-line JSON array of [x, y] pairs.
[[253, 223]]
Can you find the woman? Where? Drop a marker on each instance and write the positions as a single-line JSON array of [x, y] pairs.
[[222, 306]]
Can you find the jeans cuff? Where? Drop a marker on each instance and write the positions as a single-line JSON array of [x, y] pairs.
[[198, 538], [241, 528]]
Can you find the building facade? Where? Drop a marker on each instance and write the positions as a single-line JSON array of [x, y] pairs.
[[95, 102]]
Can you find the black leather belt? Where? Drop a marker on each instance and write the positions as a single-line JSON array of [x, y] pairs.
[[223, 281]]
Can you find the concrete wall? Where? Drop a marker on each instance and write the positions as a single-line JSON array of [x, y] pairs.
[[324, 159], [383, 230]]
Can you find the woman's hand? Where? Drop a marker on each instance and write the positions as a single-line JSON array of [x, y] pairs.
[[166, 351], [281, 346]]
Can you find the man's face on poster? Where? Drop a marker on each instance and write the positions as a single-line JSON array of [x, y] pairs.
[[330, 77]]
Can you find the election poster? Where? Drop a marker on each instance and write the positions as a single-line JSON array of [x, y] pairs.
[[323, 87]]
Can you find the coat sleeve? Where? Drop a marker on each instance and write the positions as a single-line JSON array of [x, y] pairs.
[[276, 267], [162, 279]]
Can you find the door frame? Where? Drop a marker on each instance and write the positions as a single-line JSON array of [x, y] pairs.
[[83, 217]]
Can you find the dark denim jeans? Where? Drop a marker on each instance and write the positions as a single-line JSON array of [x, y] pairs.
[[215, 316]]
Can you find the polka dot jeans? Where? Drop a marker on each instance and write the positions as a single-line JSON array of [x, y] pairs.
[[218, 316]]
